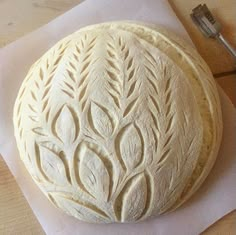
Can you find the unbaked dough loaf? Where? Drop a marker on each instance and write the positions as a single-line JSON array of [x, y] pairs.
[[118, 122]]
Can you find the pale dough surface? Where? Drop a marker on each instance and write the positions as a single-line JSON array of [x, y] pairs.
[[118, 122]]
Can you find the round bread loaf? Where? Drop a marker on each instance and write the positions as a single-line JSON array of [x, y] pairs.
[[118, 122]]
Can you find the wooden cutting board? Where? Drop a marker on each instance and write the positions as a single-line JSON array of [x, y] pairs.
[[20, 17]]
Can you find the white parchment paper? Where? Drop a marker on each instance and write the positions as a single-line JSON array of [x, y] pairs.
[[215, 198]]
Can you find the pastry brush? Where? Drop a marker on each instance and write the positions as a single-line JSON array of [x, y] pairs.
[[208, 25]]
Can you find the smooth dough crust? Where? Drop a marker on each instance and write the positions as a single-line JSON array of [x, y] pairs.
[[118, 122]]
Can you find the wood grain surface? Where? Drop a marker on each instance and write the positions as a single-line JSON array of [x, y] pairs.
[[16, 217], [228, 83], [20, 17], [218, 59]]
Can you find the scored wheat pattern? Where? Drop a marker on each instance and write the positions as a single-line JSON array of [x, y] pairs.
[[77, 70], [121, 79], [90, 153], [161, 126], [40, 94]]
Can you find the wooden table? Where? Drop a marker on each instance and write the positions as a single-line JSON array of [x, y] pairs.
[[20, 17]]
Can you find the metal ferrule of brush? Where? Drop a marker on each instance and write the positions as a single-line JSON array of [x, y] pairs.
[[207, 24]]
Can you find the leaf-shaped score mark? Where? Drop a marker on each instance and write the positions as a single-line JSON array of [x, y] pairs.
[[131, 146], [133, 198], [100, 120], [65, 126], [93, 174], [84, 212], [39, 131], [52, 166]]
